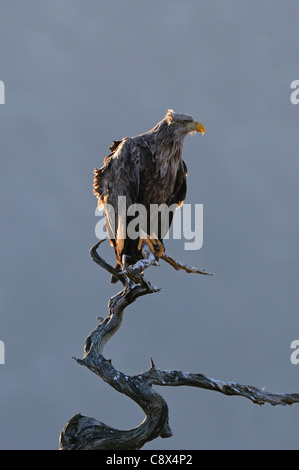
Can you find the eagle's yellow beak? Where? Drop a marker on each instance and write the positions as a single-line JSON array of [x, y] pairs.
[[199, 127], [196, 126]]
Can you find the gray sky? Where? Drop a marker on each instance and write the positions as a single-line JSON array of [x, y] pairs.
[[79, 74]]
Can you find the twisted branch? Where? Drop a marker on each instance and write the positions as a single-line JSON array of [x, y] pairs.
[[86, 433]]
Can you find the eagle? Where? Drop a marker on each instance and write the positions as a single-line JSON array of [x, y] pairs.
[[144, 171]]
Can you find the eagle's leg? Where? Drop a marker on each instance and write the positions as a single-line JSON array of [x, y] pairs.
[[153, 242], [149, 259]]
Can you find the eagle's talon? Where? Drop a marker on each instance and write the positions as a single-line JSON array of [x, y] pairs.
[[159, 249], [148, 242], [154, 244]]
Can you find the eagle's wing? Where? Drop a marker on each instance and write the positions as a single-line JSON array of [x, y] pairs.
[[120, 176], [180, 189]]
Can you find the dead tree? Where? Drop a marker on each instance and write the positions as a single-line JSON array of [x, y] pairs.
[[84, 433]]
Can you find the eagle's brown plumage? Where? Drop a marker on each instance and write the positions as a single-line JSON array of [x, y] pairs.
[[147, 169]]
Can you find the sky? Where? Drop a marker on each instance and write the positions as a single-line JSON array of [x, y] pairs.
[[79, 74]]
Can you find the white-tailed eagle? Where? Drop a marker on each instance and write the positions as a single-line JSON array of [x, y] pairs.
[[149, 170]]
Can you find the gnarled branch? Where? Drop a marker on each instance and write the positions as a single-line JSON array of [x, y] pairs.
[[86, 433], [177, 266]]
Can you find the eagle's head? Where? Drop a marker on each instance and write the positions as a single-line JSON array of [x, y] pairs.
[[183, 124]]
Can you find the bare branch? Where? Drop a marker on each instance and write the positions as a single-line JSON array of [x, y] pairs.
[[177, 266], [101, 262], [176, 378], [82, 432]]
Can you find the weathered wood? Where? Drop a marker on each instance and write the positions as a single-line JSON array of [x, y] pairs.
[[177, 266], [84, 433]]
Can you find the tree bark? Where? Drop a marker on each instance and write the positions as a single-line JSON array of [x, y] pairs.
[[84, 433]]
